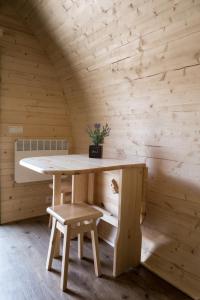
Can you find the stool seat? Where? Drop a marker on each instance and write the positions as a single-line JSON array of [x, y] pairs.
[[73, 213], [70, 219]]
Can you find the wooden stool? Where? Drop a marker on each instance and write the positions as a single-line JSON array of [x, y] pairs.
[[73, 219]]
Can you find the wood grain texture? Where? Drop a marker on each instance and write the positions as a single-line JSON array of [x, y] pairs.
[[135, 64], [31, 97]]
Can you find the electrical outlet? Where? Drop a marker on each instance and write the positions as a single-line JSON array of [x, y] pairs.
[[15, 130]]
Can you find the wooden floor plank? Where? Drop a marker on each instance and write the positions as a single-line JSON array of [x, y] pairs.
[[23, 250]]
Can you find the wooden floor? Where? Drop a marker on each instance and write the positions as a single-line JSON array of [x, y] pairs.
[[23, 249]]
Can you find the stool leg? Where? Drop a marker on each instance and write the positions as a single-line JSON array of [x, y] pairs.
[[95, 247], [51, 245], [80, 244], [56, 253], [50, 221], [65, 256]]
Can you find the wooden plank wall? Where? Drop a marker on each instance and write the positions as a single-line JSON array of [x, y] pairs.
[[136, 64], [30, 97]]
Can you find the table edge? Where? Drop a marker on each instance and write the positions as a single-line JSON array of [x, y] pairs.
[[81, 171]]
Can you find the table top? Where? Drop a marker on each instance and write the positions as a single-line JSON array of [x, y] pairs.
[[77, 164]]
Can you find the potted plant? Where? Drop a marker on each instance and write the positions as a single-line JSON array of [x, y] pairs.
[[97, 135]]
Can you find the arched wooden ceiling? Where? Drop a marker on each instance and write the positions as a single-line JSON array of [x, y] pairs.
[[136, 64]]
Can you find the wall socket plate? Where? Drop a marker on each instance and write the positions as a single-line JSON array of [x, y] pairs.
[[15, 129]]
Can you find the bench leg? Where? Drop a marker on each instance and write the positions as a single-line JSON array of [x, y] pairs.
[[52, 243], [95, 247], [65, 256]]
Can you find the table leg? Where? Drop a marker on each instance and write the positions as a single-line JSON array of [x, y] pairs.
[[79, 188], [90, 199], [82, 191], [57, 201], [127, 250]]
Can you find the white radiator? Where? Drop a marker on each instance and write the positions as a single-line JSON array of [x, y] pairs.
[[33, 147]]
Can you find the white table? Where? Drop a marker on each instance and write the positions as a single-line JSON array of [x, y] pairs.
[[127, 248]]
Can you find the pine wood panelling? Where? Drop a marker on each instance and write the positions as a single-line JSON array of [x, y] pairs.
[[135, 64], [32, 97]]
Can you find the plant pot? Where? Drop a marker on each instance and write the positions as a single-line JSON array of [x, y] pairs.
[[95, 151]]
